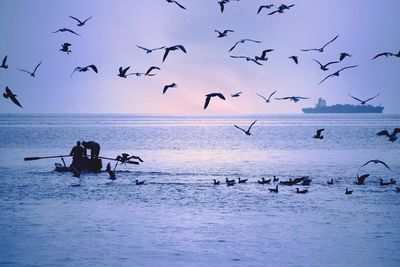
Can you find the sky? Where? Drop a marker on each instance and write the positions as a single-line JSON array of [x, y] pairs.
[[109, 40]]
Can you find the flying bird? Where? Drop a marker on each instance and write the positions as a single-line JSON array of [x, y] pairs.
[[363, 102], [65, 48], [84, 69], [175, 2], [66, 30], [9, 94], [264, 6], [319, 135], [80, 23], [111, 172], [34, 71], [150, 69], [247, 59], [122, 72], [386, 54], [295, 59], [209, 96], [264, 55], [281, 9], [337, 73], [3, 64], [324, 67], [361, 179], [148, 50], [267, 100], [236, 94], [343, 56], [292, 98], [376, 161], [322, 48], [223, 34], [222, 4], [172, 85], [247, 132], [172, 48], [242, 41], [392, 137]]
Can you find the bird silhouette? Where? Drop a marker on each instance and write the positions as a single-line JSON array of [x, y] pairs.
[[242, 41], [175, 2], [292, 98], [222, 4], [295, 59], [274, 190], [66, 30], [84, 69], [330, 182], [9, 94], [363, 102], [324, 67], [236, 94], [348, 192], [80, 23], [216, 182], [148, 50], [376, 161], [247, 132], [32, 74], [150, 69], [122, 72], [322, 48], [267, 100], [298, 191], [209, 96], [173, 48], [3, 64], [264, 181], [172, 85], [264, 6], [242, 181], [111, 173], [382, 183], [318, 135], [264, 55], [65, 48], [343, 56], [386, 54], [247, 59], [361, 179], [139, 183], [337, 73], [280, 9], [223, 34], [392, 137]]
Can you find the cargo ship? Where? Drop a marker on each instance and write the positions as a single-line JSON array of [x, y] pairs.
[[321, 107]]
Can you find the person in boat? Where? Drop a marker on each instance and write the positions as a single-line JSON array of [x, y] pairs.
[[77, 153], [94, 149]]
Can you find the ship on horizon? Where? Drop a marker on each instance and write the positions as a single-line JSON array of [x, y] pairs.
[[321, 107]]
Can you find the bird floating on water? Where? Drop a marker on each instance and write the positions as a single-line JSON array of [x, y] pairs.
[[330, 182], [267, 100], [32, 74], [175, 2], [264, 181], [337, 73], [247, 132], [292, 98], [216, 182], [209, 96], [137, 182], [243, 41], [173, 48], [172, 85], [66, 30], [3, 64], [392, 137], [223, 34], [80, 23], [274, 190], [322, 48], [376, 161], [298, 191], [363, 102], [348, 192], [84, 69], [242, 181], [318, 135], [9, 94], [65, 48]]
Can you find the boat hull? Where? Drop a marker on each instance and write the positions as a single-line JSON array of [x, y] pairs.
[[88, 165]]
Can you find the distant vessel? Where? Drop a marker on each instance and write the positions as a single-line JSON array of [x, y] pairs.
[[321, 107]]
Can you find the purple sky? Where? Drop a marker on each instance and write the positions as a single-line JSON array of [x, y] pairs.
[[108, 40]]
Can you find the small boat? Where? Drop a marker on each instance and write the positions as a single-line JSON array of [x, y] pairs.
[[88, 164]]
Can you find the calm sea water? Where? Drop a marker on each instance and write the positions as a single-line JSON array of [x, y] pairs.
[[179, 218]]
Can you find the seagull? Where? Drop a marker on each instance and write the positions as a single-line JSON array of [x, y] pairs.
[[139, 183], [247, 59], [122, 72], [376, 161], [173, 1], [319, 135], [330, 182], [80, 23], [247, 132], [324, 67], [236, 94], [150, 69], [242, 41], [208, 98], [223, 34], [84, 69], [322, 48], [148, 51], [3, 64], [361, 179], [392, 137], [222, 4], [348, 192], [386, 54], [110, 172], [34, 71], [125, 157], [295, 59], [172, 85], [242, 181], [292, 98], [264, 6], [65, 48], [216, 182], [264, 55], [337, 73], [382, 183], [343, 55], [66, 30], [172, 48], [298, 191], [269, 98], [230, 182], [281, 8], [273, 190], [9, 94], [264, 181], [363, 102]]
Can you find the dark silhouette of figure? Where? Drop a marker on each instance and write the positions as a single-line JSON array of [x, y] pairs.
[[111, 172], [208, 98], [330, 182], [223, 34], [125, 157], [392, 137], [78, 154], [94, 149], [337, 73], [9, 94], [273, 190], [348, 192], [247, 132], [216, 182], [65, 48], [295, 59], [80, 23], [322, 48], [363, 102], [3, 64], [32, 74], [319, 135]]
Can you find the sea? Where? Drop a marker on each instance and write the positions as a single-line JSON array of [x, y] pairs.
[[179, 217]]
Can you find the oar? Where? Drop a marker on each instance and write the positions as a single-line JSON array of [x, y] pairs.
[[49, 157], [129, 161]]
